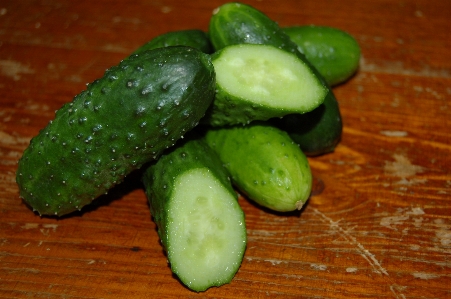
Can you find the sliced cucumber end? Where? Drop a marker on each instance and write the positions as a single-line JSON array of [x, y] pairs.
[[266, 75], [207, 231]]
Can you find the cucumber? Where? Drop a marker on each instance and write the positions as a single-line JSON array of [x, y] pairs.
[[333, 52], [264, 163], [259, 82], [317, 132], [200, 223], [237, 23], [121, 121], [194, 38]]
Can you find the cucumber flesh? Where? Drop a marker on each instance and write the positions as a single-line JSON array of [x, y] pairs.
[[269, 76], [206, 243], [259, 82]]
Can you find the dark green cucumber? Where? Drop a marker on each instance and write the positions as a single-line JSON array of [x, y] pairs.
[[264, 163], [317, 132], [333, 52], [121, 121], [259, 82], [194, 38], [237, 23], [200, 223]]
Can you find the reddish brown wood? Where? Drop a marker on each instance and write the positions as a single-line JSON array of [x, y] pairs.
[[378, 224]]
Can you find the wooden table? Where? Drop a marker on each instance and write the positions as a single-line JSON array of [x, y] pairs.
[[378, 224]]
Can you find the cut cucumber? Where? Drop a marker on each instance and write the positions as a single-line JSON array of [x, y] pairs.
[[259, 82], [200, 222]]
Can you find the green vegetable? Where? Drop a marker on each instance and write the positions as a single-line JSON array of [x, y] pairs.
[[123, 120], [258, 82], [333, 52], [316, 132], [200, 223], [194, 38], [264, 163], [236, 23]]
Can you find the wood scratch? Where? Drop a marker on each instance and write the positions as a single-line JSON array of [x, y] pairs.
[[368, 256], [394, 290]]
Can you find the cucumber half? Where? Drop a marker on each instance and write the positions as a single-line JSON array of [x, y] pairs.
[[258, 82], [200, 223]]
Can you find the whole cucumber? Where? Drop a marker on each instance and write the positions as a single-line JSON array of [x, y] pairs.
[[264, 163], [194, 38], [200, 223], [333, 52], [121, 121], [316, 132]]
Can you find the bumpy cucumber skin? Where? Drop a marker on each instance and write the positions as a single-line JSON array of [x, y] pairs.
[[159, 179], [317, 132], [237, 23], [333, 52], [194, 38], [121, 121], [264, 163]]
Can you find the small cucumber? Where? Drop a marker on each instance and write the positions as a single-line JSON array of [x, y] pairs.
[[237, 23], [121, 121], [316, 132], [333, 52], [194, 38], [200, 223], [264, 164], [259, 82]]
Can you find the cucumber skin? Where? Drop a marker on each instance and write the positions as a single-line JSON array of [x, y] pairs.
[[317, 132], [121, 121], [258, 157], [159, 178], [333, 52], [194, 38], [237, 23]]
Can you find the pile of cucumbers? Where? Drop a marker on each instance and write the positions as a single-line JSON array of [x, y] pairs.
[[203, 115]]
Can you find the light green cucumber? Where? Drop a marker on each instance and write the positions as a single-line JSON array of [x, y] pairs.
[[194, 38], [121, 121], [259, 82], [200, 223], [333, 52], [264, 163]]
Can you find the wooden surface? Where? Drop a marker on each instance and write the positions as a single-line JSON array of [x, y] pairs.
[[378, 224]]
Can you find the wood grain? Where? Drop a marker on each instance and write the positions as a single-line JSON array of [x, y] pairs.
[[378, 224]]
